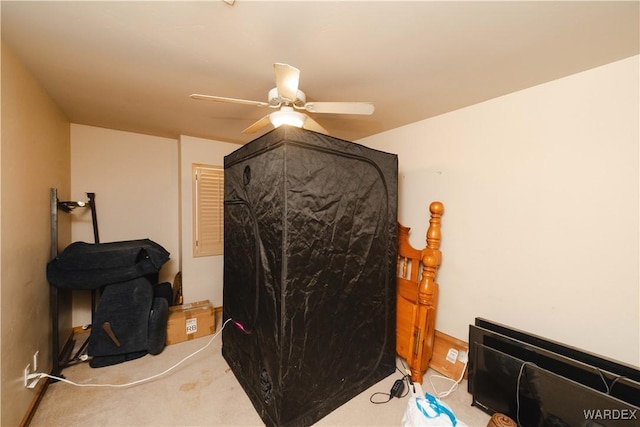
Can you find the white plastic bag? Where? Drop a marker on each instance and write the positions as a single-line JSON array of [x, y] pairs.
[[425, 410]]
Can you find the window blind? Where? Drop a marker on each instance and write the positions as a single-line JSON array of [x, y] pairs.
[[208, 210]]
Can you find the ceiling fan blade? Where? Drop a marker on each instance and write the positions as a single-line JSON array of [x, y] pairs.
[[311, 124], [287, 79], [364, 108], [230, 100], [258, 125]]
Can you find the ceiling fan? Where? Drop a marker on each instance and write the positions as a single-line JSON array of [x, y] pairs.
[[288, 99]]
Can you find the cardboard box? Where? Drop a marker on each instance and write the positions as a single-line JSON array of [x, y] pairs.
[[189, 321]]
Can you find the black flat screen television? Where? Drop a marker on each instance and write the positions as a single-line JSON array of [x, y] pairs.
[[543, 387], [607, 364]]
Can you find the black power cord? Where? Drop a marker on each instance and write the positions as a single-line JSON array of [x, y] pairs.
[[397, 390]]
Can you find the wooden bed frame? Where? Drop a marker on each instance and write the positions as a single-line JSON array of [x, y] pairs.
[[417, 295]]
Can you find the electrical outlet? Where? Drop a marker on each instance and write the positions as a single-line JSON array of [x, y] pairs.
[[34, 378], [27, 370], [463, 356], [452, 355], [36, 356]]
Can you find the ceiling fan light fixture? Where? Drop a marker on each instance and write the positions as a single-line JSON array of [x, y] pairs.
[[287, 116]]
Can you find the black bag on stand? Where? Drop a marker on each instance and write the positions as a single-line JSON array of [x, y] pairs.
[[131, 316]]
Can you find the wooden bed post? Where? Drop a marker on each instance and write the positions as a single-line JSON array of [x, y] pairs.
[[433, 233], [426, 317], [428, 292], [418, 295]]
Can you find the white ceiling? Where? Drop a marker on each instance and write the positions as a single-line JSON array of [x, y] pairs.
[[132, 65]]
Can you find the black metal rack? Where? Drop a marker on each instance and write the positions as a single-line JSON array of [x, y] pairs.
[[63, 358]]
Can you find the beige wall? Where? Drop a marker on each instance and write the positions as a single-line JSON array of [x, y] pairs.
[[201, 276], [143, 189], [135, 178], [541, 223], [35, 157]]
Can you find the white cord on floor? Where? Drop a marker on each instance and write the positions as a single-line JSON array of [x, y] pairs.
[[42, 374], [453, 388]]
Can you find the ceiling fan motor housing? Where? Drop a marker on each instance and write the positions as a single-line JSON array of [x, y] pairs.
[[275, 100]]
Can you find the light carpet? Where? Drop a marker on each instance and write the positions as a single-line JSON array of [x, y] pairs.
[[202, 391]]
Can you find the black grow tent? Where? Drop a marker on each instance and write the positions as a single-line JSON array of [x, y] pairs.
[[309, 272]]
